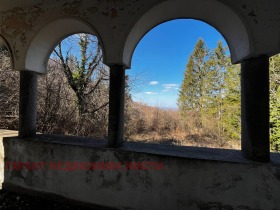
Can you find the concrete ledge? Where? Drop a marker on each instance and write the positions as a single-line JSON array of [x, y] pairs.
[[214, 154], [188, 179]]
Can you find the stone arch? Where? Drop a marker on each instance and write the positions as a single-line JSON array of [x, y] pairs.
[[49, 36], [216, 14]]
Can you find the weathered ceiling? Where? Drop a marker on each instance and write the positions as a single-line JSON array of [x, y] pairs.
[[251, 27]]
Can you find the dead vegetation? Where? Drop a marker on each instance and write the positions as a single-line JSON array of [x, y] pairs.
[[154, 125], [58, 114], [9, 93]]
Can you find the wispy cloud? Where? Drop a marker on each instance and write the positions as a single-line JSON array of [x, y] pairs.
[[154, 83], [170, 87], [150, 93]]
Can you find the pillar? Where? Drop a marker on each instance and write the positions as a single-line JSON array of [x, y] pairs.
[[28, 104], [116, 106], [255, 109]]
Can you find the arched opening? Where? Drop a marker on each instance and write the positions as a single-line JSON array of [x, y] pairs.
[[70, 53], [220, 16], [9, 89], [73, 94], [42, 45], [177, 56]]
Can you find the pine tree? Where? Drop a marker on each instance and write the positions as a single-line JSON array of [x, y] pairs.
[[219, 62], [187, 96], [211, 89], [193, 92], [231, 106]]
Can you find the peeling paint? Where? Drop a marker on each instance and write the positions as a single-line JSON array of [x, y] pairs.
[[72, 8]]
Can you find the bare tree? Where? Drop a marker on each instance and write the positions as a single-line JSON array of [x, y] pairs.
[[83, 68], [9, 92], [73, 95]]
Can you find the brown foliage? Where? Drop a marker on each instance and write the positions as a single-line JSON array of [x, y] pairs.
[[58, 112], [155, 125]]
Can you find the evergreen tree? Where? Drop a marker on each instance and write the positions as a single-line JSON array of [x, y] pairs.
[[226, 95], [193, 91], [231, 106], [211, 88], [219, 61]]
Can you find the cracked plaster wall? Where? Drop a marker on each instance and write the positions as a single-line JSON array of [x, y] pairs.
[[114, 19], [183, 183]]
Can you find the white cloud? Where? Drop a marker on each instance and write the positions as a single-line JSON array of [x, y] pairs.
[[154, 83], [170, 85], [150, 93]]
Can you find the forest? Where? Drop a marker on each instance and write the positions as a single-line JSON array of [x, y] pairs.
[[73, 98]]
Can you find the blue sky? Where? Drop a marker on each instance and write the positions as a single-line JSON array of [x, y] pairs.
[[160, 59]]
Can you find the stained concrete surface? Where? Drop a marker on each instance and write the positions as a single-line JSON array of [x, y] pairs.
[[208, 179], [12, 200]]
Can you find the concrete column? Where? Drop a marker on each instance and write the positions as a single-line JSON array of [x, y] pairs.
[[255, 109], [28, 104], [116, 106]]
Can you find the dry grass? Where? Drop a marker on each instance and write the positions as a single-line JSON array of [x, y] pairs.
[[161, 126]]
